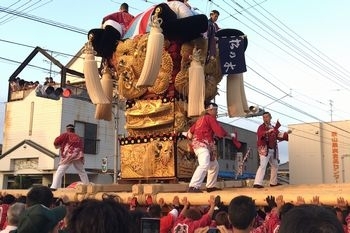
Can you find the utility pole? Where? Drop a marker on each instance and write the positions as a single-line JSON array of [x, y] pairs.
[[51, 66]]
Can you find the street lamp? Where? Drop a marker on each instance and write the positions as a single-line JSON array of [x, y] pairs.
[[254, 112]]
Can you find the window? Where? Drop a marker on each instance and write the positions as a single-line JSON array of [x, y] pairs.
[[226, 149], [88, 133], [230, 149]]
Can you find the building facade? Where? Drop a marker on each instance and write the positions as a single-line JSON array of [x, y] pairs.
[[319, 153], [32, 123]]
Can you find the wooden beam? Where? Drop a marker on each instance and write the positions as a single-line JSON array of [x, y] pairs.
[[327, 193]]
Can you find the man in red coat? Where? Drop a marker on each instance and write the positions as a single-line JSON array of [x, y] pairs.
[[268, 136], [122, 18], [72, 152], [202, 134]]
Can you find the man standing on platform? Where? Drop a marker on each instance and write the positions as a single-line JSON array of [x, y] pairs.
[[202, 134], [210, 34], [72, 152], [122, 17], [268, 136]]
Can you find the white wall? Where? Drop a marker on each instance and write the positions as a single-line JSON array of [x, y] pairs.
[[36, 119], [316, 150]]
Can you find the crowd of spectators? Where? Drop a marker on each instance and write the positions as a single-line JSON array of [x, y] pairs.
[[40, 212], [19, 84]]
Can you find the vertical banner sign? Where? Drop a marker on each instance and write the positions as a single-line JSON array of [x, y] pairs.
[[335, 156], [232, 58]]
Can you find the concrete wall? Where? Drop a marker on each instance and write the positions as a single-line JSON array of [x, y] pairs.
[[318, 153], [41, 120]]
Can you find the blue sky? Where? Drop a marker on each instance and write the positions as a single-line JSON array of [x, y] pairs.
[[297, 56]]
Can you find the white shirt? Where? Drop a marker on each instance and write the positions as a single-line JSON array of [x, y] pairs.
[[180, 8]]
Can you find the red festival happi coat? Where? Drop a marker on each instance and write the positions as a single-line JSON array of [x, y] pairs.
[[204, 130], [269, 140], [71, 147], [121, 17]]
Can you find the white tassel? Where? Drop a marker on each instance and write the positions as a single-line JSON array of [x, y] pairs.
[[104, 111], [92, 77], [237, 105], [196, 94], [154, 51]]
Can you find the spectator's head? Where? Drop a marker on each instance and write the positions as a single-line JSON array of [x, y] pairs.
[[309, 219], [40, 194], [221, 218], [193, 213], [14, 212], [242, 213], [155, 211], [107, 216], [124, 7], [285, 208], [214, 15], [70, 128], [340, 215], [135, 220], [22, 199], [40, 219], [9, 199]]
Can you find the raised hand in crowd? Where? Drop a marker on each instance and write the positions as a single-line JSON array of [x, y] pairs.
[[315, 200], [342, 203], [223, 229], [270, 200], [185, 202], [202, 230], [176, 204], [161, 202], [186, 205], [133, 203], [279, 201], [300, 200]]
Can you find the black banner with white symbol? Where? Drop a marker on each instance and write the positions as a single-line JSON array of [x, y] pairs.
[[231, 50]]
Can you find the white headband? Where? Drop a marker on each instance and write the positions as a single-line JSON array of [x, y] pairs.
[[211, 106]]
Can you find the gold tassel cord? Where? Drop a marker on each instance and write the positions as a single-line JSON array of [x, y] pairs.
[[92, 77], [196, 94], [154, 51]]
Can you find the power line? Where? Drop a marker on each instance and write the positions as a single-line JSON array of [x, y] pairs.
[[308, 45], [254, 70], [8, 18], [44, 21], [258, 33], [317, 65]]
